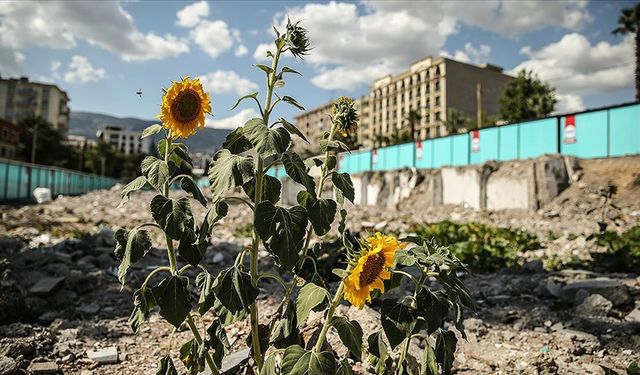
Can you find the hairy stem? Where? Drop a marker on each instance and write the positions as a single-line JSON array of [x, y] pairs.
[[407, 341], [196, 335], [171, 253], [327, 322]]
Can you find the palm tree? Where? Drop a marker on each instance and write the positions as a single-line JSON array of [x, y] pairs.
[[629, 22], [413, 117]]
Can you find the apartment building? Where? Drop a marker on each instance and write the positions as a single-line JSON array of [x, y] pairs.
[[21, 98], [432, 86], [127, 141]]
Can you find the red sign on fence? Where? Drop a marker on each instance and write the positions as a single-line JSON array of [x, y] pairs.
[[475, 141], [419, 150], [374, 156], [570, 129]]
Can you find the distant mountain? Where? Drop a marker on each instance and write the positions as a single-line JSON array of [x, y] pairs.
[[88, 124]]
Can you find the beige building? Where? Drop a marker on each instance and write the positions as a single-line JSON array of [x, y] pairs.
[[9, 139], [20, 98], [433, 86]]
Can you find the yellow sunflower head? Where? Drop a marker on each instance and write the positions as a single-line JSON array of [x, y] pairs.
[[345, 116], [371, 269], [184, 105]]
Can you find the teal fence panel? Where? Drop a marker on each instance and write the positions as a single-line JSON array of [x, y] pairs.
[[585, 135], [460, 149], [624, 131], [424, 154], [537, 138], [385, 159], [487, 146], [441, 152], [395, 157], [355, 162], [508, 148]]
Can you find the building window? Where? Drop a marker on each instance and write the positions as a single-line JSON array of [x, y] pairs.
[[437, 101], [437, 88]]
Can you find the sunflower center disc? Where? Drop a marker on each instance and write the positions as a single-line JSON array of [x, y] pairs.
[[186, 106], [371, 269]]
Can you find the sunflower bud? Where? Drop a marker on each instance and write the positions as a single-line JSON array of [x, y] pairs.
[[345, 116], [297, 38]]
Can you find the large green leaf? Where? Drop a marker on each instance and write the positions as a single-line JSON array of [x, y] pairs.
[[344, 368], [379, 353], [173, 298], [190, 186], [217, 341], [433, 307], [446, 342], [156, 171], [267, 141], [342, 182], [172, 215], [236, 142], [282, 230], [269, 366], [151, 130], [204, 283], [310, 296], [228, 170], [129, 188], [322, 212], [271, 187], [190, 248], [234, 290], [166, 366], [285, 330], [295, 168], [398, 321], [143, 302], [192, 355], [428, 365], [178, 153], [298, 361], [292, 129], [350, 333], [214, 214], [131, 246]]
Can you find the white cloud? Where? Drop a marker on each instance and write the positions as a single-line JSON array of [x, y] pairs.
[[260, 54], [11, 62], [569, 103], [234, 121], [349, 78], [241, 50], [214, 37], [81, 71], [471, 54], [190, 15], [60, 24], [393, 34], [575, 66], [222, 81]]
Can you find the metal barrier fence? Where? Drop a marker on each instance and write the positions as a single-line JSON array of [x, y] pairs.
[[18, 179], [601, 133]]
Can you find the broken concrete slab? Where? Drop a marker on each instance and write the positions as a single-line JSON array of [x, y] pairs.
[[104, 356], [43, 368], [233, 361], [610, 289], [46, 285]]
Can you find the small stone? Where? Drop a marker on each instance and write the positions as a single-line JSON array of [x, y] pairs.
[[633, 316], [43, 368], [7, 365], [217, 258], [533, 266], [104, 356], [46, 285], [594, 305]]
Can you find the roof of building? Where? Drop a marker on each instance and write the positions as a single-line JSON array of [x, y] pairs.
[[25, 80]]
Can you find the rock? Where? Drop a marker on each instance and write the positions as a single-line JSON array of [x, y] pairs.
[[580, 296], [89, 308], [104, 356], [594, 305], [606, 287], [533, 266], [633, 316], [43, 368], [554, 288], [233, 361], [217, 258], [46, 285], [8, 365]]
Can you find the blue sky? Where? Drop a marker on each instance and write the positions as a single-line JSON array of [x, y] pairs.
[[101, 53]]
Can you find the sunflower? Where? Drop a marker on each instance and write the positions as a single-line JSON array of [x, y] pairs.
[[184, 105], [371, 269], [345, 116]]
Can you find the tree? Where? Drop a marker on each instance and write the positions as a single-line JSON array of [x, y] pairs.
[[629, 23], [49, 148], [527, 97], [413, 117]]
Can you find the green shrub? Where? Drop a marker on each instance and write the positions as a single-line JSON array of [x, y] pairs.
[[623, 253], [482, 247]]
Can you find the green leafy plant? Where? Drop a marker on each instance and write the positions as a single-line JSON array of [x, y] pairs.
[[372, 266], [483, 247], [623, 253]]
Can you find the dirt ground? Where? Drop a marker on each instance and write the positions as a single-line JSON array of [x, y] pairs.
[[528, 321]]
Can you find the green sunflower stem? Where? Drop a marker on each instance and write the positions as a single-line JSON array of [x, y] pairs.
[[407, 341], [171, 253], [196, 335], [327, 322]]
